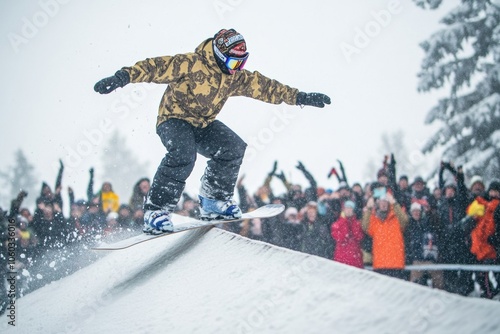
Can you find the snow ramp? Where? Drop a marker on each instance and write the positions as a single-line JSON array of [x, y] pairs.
[[212, 281]]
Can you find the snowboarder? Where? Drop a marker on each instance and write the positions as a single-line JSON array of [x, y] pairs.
[[199, 84]]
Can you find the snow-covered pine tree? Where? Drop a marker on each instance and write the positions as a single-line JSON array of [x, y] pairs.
[[121, 167], [19, 176], [464, 57]]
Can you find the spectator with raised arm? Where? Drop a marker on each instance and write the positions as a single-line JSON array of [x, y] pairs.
[[385, 222], [49, 196], [264, 194], [455, 239], [90, 187], [311, 193], [49, 225]]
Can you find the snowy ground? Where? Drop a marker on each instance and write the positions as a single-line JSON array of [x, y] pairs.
[[212, 281]]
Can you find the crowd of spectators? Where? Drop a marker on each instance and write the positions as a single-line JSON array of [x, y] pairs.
[[44, 236], [384, 225], [389, 224]]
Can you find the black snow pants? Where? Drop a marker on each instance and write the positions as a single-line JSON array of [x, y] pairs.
[[183, 141]]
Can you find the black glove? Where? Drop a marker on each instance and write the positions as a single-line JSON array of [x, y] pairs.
[[300, 166], [281, 176], [275, 166], [22, 194], [109, 84], [312, 99]]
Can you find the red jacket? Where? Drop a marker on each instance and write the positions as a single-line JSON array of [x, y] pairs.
[[347, 232]]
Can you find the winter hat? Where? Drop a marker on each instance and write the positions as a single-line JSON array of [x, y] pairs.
[[415, 206], [22, 220], [343, 185], [418, 179], [349, 204], [81, 202], [229, 43], [125, 207], [403, 177], [111, 216], [475, 179], [291, 211], [312, 204], [494, 185]]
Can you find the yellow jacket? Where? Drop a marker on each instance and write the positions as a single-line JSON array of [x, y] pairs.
[[110, 201], [197, 88]]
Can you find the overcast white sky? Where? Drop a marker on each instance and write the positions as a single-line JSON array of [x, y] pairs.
[[53, 52]]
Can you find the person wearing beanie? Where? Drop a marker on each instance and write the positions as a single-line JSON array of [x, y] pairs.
[[420, 193], [494, 189], [53, 197], [404, 186], [455, 240], [348, 234], [112, 225], [199, 84], [290, 230], [477, 187], [422, 246], [385, 222]]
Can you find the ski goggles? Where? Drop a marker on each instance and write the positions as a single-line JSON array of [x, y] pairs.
[[232, 63], [236, 63]]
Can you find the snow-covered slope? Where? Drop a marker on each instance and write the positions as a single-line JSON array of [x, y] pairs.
[[212, 281]]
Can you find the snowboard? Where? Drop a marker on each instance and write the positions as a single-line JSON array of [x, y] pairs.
[[266, 211]]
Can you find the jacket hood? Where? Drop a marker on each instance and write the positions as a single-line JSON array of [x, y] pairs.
[[205, 50]]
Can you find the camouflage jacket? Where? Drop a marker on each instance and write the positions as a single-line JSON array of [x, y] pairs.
[[197, 88]]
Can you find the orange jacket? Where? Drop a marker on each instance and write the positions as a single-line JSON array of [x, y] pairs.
[[484, 229], [388, 243]]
